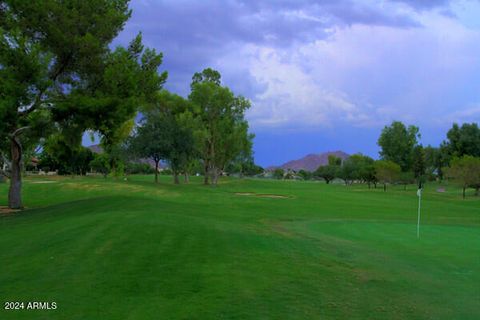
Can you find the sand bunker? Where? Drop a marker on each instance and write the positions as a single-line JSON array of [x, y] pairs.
[[7, 210], [274, 196]]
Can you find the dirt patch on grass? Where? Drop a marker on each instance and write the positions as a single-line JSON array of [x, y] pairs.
[[261, 195], [84, 186], [6, 210], [273, 196], [282, 230], [45, 178], [120, 186], [244, 194], [42, 182]]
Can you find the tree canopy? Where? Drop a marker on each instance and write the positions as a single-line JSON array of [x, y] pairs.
[[386, 172], [58, 71], [222, 117], [152, 138], [397, 144], [466, 170], [463, 140]]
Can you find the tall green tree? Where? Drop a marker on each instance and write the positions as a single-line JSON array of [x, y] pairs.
[[152, 138], [366, 170], [244, 163], [358, 167], [349, 171], [463, 140], [183, 126], [397, 143], [435, 160], [222, 114], [167, 133], [57, 70], [418, 164]]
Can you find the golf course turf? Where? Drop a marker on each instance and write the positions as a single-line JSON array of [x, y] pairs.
[[247, 249]]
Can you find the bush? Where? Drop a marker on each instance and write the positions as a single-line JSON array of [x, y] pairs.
[[139, 168], [118, 170], [101, 164], [166, 172], [305, 175], [278, 173]]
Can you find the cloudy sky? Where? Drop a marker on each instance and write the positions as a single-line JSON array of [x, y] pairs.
[[325, 75]]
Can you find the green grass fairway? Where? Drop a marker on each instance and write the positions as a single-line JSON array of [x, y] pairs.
[[135, 250]]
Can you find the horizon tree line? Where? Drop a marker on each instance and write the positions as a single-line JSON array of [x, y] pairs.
[[404, 161], [60, 78]]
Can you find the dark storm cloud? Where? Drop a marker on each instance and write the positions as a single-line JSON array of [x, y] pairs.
[[194, 34], [308, 64], [205, 23]]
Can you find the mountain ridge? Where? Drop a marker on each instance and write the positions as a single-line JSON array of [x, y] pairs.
[[311, 161]]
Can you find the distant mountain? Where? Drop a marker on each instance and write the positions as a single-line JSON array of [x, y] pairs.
[[95, 148], [310, 162]]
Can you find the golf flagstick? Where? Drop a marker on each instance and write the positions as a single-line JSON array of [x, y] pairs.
[[419, 194]]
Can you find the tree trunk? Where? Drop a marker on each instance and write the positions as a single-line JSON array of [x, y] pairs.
[[215, 174], [368, 185], [384, 187], [15, 192], [186, 178], [477, 191], [464, 192], [156, 170], [175, 177], [113, 166], [206, 173]]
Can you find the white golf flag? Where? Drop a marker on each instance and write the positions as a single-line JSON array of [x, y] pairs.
[[419, 194]]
